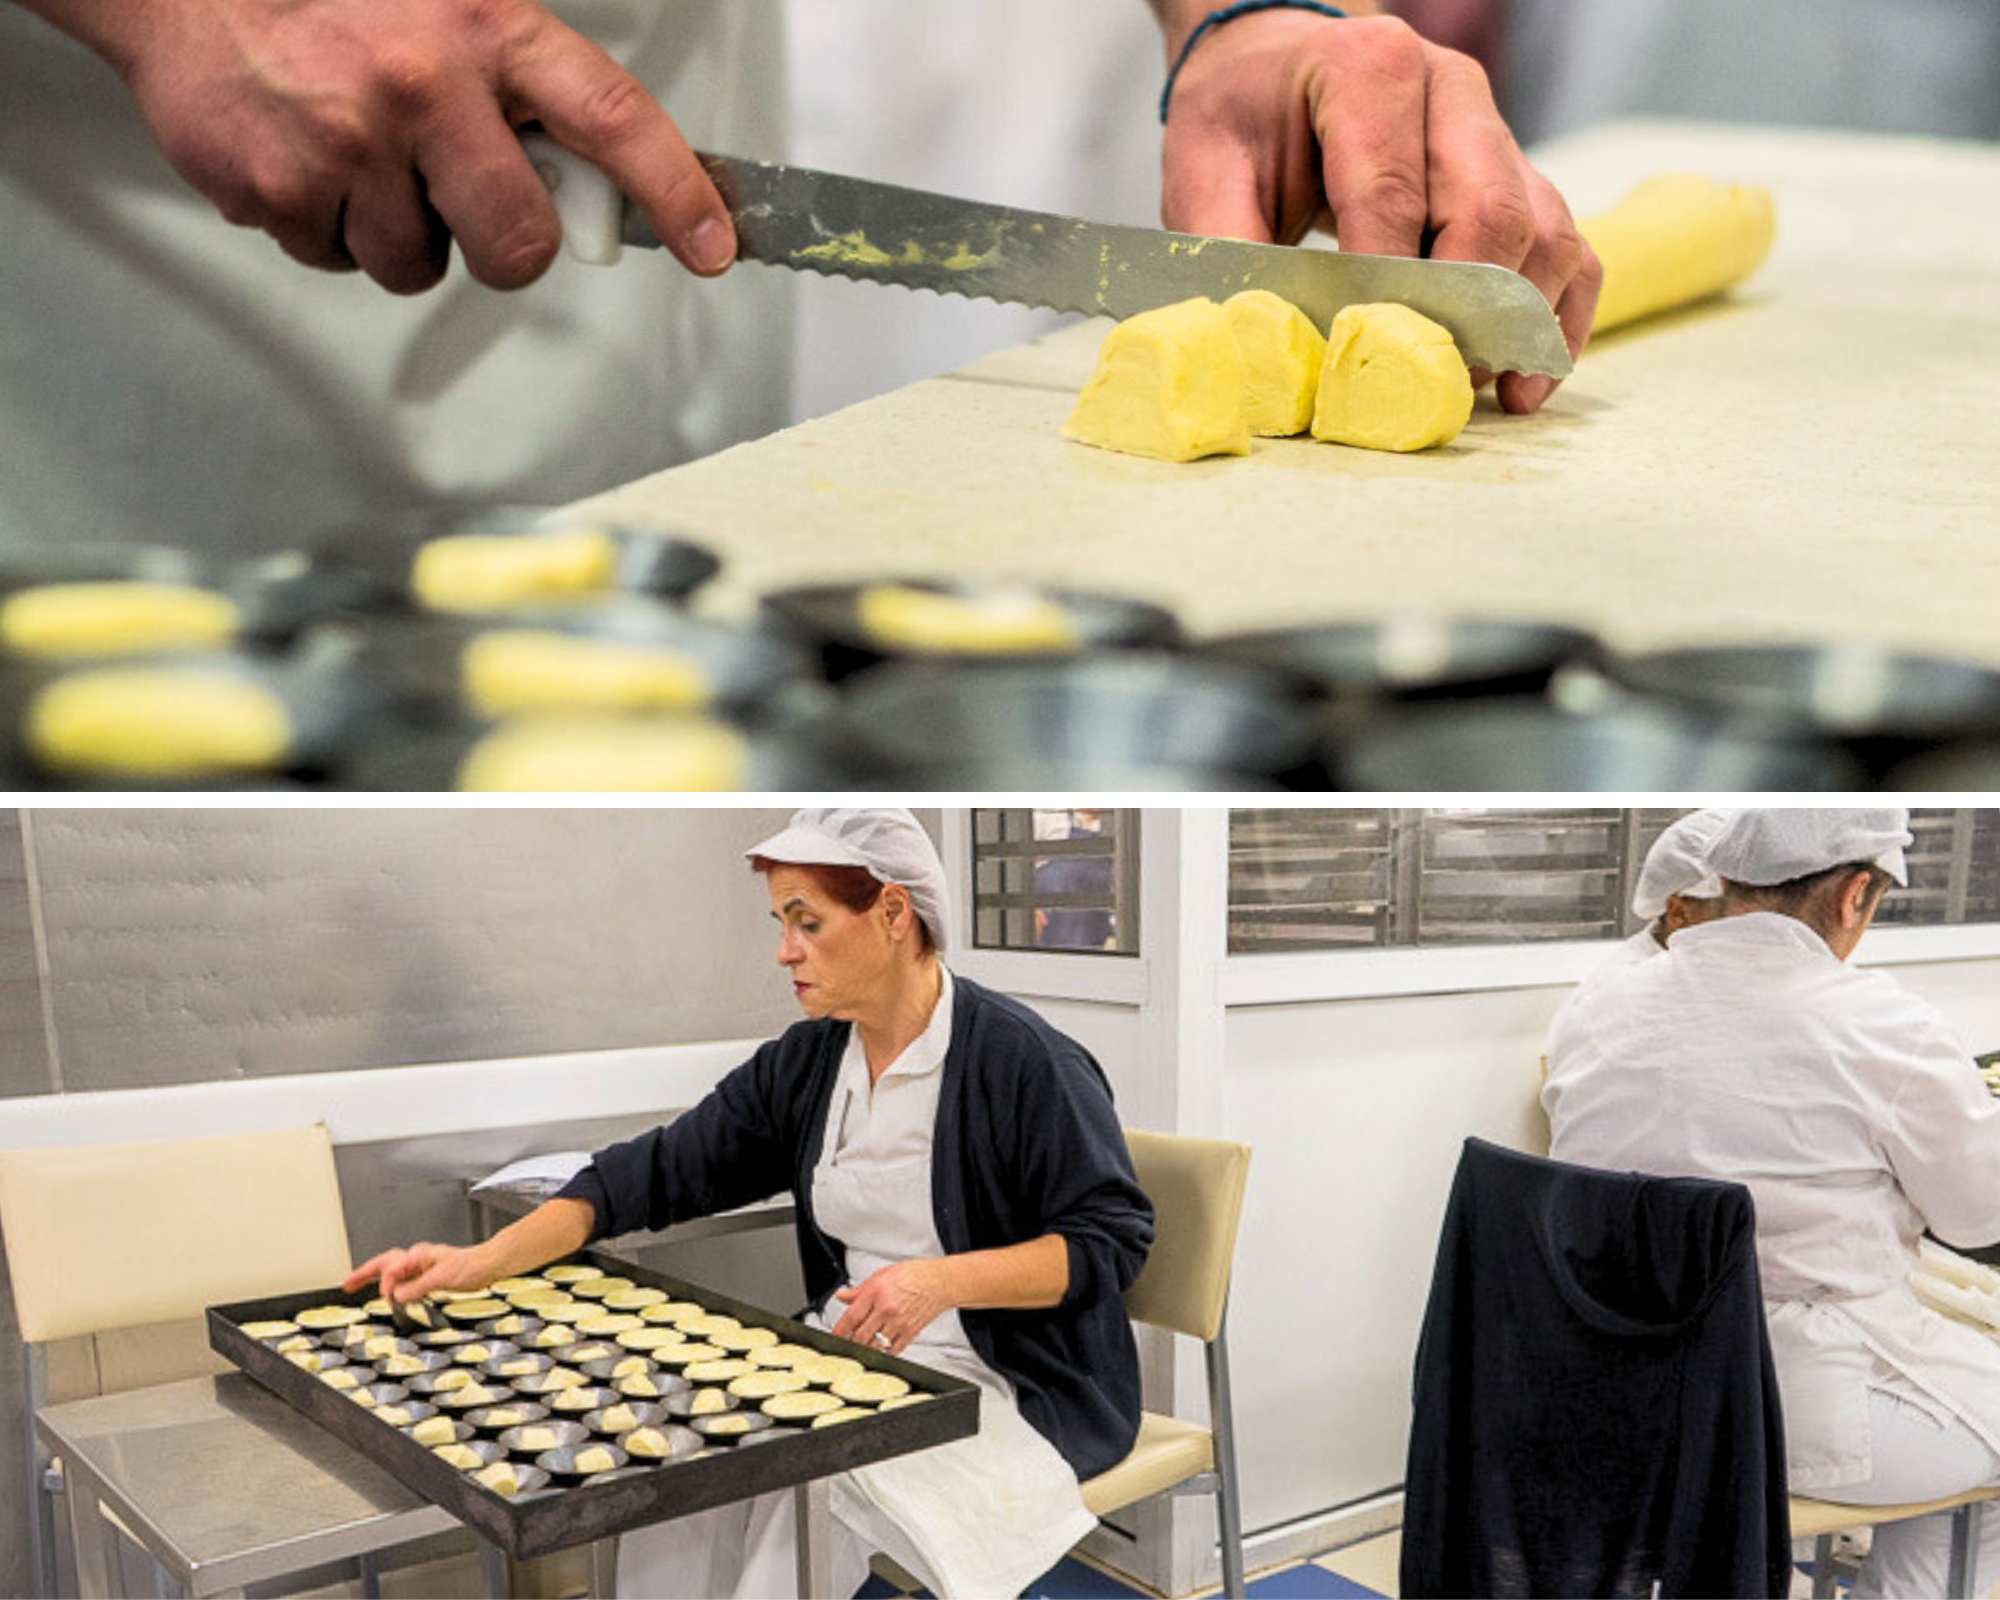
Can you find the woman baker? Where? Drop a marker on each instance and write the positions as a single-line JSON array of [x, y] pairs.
[[964, 1197]]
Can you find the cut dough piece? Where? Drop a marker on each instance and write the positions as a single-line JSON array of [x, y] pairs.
[[461, 1456], [492, 572], [543, 754], [708, 1402], [832, 1419], [501, 1478], [1170, 384], [1674, 239], [765, 1382], [647, 1442], [115, 618], [726, 1370], [269, 1330], [594, 1458], [435, 1431], [159, 722], [1000, 623], [1392, 380], [572, 1272], [1282, 355]]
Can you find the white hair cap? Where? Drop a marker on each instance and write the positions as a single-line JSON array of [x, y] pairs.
[[1678, 864], [1761, 848], [886, 841]]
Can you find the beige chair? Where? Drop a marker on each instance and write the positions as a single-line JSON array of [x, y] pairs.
[[112, 1237], [1820, 1520], [1196, 1186]]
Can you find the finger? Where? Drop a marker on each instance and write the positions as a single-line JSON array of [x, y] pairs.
[[394, 234], [1480, 205], [1572, 279], [1369, 116], [366, 1273], [1209, 185], [483, 186], [590, 105], [312, 241]]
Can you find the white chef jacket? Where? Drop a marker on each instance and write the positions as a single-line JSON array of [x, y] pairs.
[[1749, 1052], [985, 1515], [1641, 946], [164, 375]]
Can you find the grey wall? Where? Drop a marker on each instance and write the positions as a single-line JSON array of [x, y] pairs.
[[191, 945]]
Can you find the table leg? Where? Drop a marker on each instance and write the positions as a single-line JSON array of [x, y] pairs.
[[1964, 1550], [604, 1569], [493, 1572], [99, 1570], [813, 1504]]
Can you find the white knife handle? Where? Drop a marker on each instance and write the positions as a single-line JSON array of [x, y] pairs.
[[588, 203]]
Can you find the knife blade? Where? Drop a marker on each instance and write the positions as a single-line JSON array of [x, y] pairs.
[[855, 228]]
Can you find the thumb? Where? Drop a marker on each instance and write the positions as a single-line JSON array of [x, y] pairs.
[[1210, 186]]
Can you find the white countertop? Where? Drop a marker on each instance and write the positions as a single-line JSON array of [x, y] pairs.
[[1815, 456]]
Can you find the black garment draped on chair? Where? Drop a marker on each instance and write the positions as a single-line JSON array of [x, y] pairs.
[[1596, 1411]]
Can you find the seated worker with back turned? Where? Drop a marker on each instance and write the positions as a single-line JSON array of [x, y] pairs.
[[964, 1198], [1675, 890], [1751, 1052]]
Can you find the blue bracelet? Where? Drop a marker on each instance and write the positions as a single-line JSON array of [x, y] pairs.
[[1215, 19]]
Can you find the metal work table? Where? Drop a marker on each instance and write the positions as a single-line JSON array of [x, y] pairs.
[[225, 1486]]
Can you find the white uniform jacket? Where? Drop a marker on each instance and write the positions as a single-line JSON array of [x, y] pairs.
[[1749, 1052], [166, 376]]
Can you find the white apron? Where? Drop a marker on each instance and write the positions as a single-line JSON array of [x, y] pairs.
[[983, 1516], [166, 376]]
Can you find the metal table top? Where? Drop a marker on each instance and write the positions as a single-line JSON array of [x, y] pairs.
[[227, 1485]]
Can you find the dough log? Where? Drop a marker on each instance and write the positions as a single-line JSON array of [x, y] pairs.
[[1674, 239]]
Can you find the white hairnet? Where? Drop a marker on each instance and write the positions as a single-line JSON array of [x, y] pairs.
[[886, 841], [1763, 847], [1678, 864]]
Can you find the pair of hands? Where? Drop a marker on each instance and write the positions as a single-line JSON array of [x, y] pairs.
[[371, 134], [886, 1310]]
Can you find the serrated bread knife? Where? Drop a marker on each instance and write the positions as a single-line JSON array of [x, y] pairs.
[[882, 233]]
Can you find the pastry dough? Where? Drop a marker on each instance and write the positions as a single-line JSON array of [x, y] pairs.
[[871, 1388], [706, 1323], [572, 1272], [461, 1456], [599, 755], [496, 572], [1282, 355], [784, 1355], [829, 1419], [1002, 622], [647, 1442], [635, 1299], [435, 1431], [269, 1330], [593, 1458], [601, 1287], [807, 1403], [1674, 239], [743, 1339], [721, 1371], [501, 1478], [826, 1369], [1170, 384], [765, 1382], [618, 1419], [707, 1403], [159, 722], [1392, 380], [539, 669], [115, 618]]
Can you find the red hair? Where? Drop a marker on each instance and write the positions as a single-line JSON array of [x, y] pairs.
[[856, 888]]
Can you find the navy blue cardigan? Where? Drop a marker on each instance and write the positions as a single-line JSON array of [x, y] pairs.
[[1026, 1144]]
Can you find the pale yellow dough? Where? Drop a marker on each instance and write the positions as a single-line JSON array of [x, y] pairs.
[[115, 618], [159, 722], [435, 1431], [1282, 355], [921, 619], [1392, 380], [539, 754], [501, 1478], [497, 572], [1170, 384], [1676, 238], [595, 1459]]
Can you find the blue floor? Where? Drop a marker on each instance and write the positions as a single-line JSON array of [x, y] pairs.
[[1070, 1579]]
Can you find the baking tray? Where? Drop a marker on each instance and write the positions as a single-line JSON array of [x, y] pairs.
[[534, 1525]]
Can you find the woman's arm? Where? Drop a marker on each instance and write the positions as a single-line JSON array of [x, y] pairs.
[[553, 1229], [903, 1299]]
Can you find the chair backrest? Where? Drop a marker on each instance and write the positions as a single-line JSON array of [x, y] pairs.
[[116, 1236], [1196, 1186]]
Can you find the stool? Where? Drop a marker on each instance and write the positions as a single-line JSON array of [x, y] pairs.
[[1820, 1520]]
